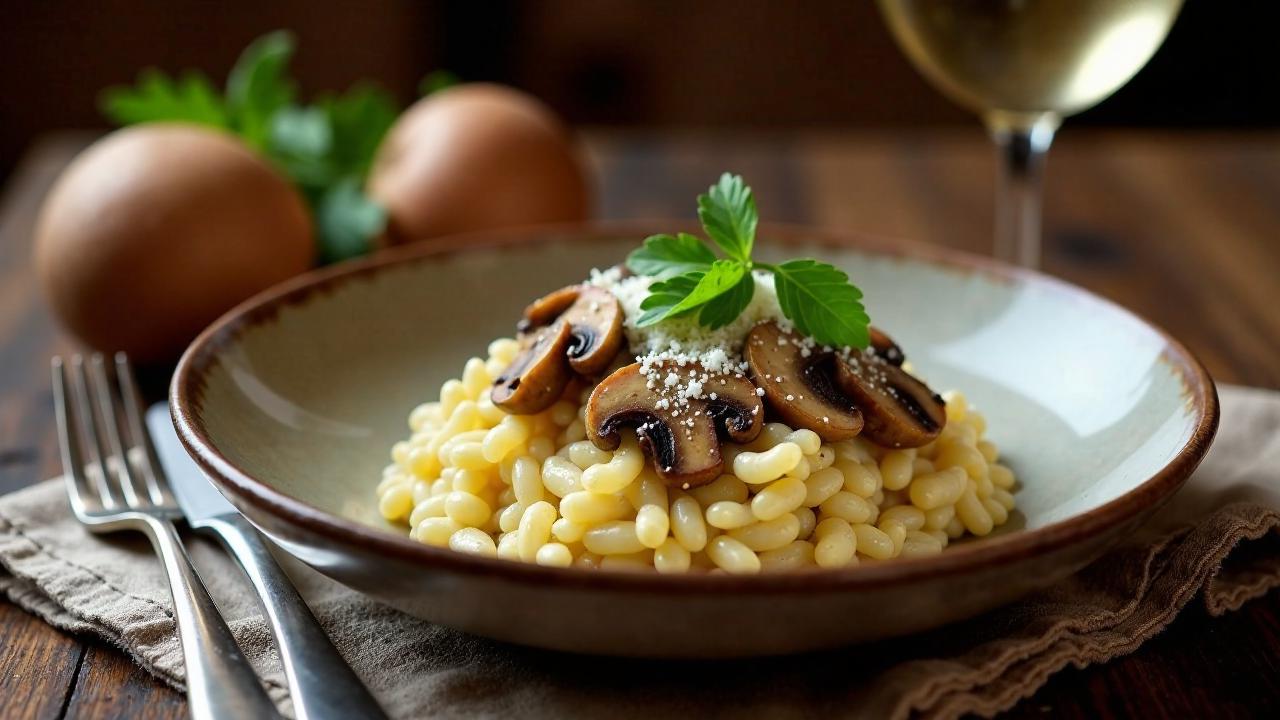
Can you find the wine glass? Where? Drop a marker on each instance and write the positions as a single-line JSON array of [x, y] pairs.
[[1024, 65]]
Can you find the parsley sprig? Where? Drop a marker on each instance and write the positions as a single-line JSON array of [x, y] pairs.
[[690, 279]]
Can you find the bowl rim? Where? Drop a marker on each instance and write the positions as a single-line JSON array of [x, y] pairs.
[[188, 380]]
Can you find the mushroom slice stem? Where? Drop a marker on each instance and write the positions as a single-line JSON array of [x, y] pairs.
[[798, 383], [538, 375], [900, 411], [576, 329], [682, 434]]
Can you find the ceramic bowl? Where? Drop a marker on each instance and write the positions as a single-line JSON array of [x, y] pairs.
[[291, 403]]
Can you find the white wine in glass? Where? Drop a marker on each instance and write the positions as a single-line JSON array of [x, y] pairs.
[[1023, 65]]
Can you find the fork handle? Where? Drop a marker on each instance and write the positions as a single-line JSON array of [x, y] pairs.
[[324, 686], [220, 681]]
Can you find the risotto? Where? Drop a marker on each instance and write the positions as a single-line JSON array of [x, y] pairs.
[[696, 413], [534, 488]]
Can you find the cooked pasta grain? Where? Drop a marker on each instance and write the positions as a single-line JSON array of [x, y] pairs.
[[532, 488]]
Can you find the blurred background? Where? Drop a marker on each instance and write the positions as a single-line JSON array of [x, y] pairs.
[[721, 63]]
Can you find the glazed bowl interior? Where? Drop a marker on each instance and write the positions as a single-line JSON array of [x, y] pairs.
[[1079, 395]]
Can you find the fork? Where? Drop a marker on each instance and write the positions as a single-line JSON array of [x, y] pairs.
[[118, 490]]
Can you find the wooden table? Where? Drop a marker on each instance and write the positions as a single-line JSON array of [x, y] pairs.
[[1183, 228]]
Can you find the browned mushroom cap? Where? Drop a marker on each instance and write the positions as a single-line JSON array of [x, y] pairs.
[[886, 348], [547, 308], [596, 321], [574, 329], [900, 411], [593, 314], [539, 373], [681, 435], [800, 389]]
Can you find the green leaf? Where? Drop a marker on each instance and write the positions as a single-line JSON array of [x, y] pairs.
[[301, 141], [723, 275], [728, 214], [725, 308], [157, 98], [347, 221], [685, 293], [301, 132], [665, 256], [819, 299], [259, 85], [436, 81], [671, 292], [665, 295], [360, 119]]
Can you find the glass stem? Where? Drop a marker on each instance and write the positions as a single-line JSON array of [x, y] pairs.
[[1021, 144]]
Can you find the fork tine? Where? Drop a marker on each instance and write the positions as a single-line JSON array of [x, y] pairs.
[[69, 443], [87, 421], [109, 413], [157, 482]]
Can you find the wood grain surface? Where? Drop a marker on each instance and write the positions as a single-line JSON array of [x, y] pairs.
[[1182, 228]]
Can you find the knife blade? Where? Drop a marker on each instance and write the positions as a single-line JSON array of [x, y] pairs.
[[199, 499], [324, 686]]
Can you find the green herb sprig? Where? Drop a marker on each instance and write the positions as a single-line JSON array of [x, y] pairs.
[[689, 278], [325, 148]]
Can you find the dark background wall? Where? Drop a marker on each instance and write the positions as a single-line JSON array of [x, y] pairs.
[[628, 62]]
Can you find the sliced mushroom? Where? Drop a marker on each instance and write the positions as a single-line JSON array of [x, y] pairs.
[[900, 411], [593, 314], [682, 435], [886, 348], [547, 308], [538, 375], [596, 321], [799, 387], [576, 329]]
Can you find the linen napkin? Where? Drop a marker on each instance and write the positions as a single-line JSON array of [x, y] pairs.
[[1217, 542]]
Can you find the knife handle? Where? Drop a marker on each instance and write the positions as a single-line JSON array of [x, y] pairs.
[[324, 686]]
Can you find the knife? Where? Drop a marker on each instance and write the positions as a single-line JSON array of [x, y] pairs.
[[324, 686]]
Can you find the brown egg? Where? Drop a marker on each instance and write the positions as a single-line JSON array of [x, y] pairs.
[[156, 230], [474, 157]]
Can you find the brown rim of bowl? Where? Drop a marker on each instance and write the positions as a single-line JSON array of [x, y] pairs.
[[962, 558]]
